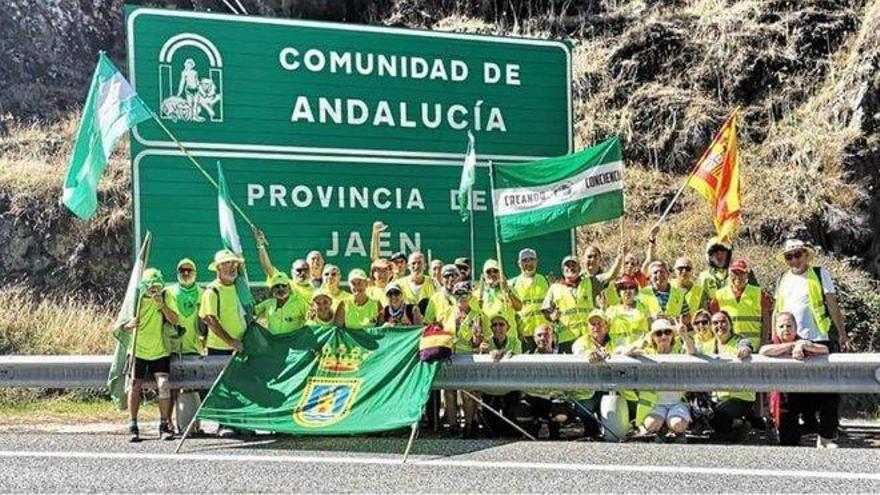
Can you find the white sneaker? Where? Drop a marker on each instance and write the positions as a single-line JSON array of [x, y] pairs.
[[825, 443]]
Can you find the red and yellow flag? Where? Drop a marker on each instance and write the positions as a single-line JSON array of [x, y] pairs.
[[716, 178]]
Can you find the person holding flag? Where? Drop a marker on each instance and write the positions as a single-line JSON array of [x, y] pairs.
[[530, 287], [152, 352], [220, 307]]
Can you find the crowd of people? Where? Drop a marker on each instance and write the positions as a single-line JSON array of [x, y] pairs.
[[596, 310]]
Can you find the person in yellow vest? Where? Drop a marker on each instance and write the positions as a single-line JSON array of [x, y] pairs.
[[500, 344], [284, 312], [592, 264], [361, 311], [731, 409], [220, 308], [469, 328], [331, 277], [807, 292], [596, 346], [464, 268], [437, 273], [628, 321], [694, 294], [749, 307], [704, 336], [665, 408], [493, 296], [380, 276], [416, 287], [443, 299], [398, 262], [183, 298], [151, 352], [569, 301], [530, 287], [719, 254], [661, 297], [321, 312]]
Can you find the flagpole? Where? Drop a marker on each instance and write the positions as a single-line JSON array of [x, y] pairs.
[[694, 169], [412, 437], [494, 219], [471, 222], [195, 416], [202, 170]]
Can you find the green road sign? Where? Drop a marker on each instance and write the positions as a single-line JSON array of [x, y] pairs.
[[324, 128]]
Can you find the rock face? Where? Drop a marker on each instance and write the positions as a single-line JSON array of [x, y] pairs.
[[662, 74]]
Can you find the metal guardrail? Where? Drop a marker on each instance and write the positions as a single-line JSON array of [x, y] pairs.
[[843, 373]]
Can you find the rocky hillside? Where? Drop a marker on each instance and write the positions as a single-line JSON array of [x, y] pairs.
[[662, 74]]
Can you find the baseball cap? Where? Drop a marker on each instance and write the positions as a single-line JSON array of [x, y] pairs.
[[569, 258], [398, 256], [662, 324], [463, 262], [450, 270], [528, 253], [392, 287], [356, 274]]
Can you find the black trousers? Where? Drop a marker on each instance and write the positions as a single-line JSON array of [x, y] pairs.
[[728, 410], [793, 406]]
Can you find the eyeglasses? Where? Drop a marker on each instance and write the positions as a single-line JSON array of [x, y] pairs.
[[462, 296], [660, 333], [718, 322], [332, 274], [279, 288], [393, 293], [492, 271], [300, 270], [684, 268], [498, 324], [701, 322], [449, 275], [184, 271], [793, 256]]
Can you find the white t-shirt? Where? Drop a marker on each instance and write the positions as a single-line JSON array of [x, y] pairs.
[[793, 290]]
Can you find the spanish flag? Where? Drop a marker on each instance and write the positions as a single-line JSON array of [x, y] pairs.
[[716, 178]]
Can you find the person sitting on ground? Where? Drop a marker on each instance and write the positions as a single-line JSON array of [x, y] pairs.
[[443, 299], [500, 345], [543, 405], [284, 312], [569, 302], [151, 352], [397, 312], [793, 405], [361, 311], [731, 409], [530, 287], [321, 312], [331, 286], [596, 347], [416, 287], [468, 327], [665, 408]]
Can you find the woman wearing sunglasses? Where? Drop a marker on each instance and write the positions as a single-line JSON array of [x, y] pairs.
[[704, 336], [397, 311], [665, 408], [467, 325], [731, 409]]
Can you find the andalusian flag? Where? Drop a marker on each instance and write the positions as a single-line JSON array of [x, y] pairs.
[[716, 178], [468, 177], [559, 193], [323, 381], [112, 108], [232, 242]]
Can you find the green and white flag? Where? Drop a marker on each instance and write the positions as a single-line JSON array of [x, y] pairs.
[[559, 193], [232, 242], [127, 312], [112, 108], [468, 177]]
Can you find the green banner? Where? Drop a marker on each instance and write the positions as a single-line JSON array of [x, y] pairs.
[[323, 381], [559, 193]]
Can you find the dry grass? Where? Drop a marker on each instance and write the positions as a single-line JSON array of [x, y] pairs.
[[30, 325]]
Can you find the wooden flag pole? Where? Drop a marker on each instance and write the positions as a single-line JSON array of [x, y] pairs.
[[494, 219], [412, 437], [144, 254]]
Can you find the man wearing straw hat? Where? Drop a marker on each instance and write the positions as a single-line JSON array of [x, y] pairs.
[[220, 307], [807, 292]]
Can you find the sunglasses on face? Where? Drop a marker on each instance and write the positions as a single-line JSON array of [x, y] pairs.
[[701, 322], [793, 256], [492, 272], [185, 271], [332, 274], [660, 333], [300, 270], [684, 268], [449, 275], [394, 293], [498, 325], [462, 296]]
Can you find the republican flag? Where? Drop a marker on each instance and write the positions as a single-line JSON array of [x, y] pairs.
[[716, 178], [112, 108]]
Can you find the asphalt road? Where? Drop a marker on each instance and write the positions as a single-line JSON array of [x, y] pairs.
[[106, 462]]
